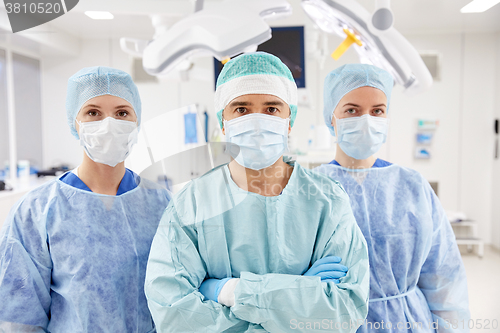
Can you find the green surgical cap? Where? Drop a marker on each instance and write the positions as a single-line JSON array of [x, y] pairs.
[[255, 73]]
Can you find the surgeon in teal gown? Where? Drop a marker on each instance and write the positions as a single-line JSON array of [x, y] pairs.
[[260, 222], [418, 281], [73, 252]]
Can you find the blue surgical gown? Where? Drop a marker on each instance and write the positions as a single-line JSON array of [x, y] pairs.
[[75, 261], [417, 274], [214, 229]]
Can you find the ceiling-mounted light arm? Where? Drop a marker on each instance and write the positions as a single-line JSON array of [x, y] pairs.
[[382, 19], [198, 5], [479, 6], [133, 46], [382, 4], [205, 33], [276, 13], [419, 69], [161, 23], [383, 47]]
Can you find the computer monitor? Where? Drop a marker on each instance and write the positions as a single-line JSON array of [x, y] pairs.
[[287, 44]]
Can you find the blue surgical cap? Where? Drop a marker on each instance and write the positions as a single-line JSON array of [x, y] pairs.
[[349, 77], [91, 82], [255, 73]]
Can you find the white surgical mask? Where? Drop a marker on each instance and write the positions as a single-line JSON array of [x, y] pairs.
[[108, 141], [361, 137], [262, 139]]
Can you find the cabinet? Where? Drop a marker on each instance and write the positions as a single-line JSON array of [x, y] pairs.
[[471, 239]]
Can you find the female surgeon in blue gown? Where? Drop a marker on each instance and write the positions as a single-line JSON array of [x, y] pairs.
[[73, 252], [417, 281]]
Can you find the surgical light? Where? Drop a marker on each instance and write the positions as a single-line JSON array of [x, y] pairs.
[[373, 37], [99, 15], [479, 6], [222, 31]]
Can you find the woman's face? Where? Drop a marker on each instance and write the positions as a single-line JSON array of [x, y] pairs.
[[361, 101], [101, 107]]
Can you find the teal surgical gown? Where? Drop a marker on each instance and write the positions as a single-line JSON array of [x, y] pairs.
[[75, 261], [214, 229], [417, 275]]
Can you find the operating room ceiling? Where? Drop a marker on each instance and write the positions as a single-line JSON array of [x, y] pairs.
[[132, 17]]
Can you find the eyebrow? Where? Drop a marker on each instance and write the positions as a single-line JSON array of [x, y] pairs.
[[116, 107], [277, 103], [356, 105], [92, 106], [236, 103], [270, 103]]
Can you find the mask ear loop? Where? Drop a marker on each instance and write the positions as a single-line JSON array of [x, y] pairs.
[[335, 130], [79, 130]]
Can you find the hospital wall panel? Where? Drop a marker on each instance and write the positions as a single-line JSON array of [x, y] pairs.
[[463, 101], [495, 197], [441, 102], [476, 158]]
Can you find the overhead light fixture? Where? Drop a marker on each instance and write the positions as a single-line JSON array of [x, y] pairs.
[[373, 37], [99, 15], [212, 31], [478, 6]]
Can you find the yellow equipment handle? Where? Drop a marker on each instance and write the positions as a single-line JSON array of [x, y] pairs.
[[350, 39]]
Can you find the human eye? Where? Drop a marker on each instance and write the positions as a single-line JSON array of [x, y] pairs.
[[93, 113], [122, 113], [272, 109], [378, 112], [241, 109], [350, 111]]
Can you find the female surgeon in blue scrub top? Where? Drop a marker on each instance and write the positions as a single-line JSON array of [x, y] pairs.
[[417, 281], [73, 252]]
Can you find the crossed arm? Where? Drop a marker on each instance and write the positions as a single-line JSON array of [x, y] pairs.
[[276, 302]]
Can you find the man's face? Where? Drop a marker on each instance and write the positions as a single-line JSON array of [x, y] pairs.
[[256, 103]]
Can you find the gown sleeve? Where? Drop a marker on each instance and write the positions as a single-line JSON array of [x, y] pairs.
[[174, 273], [25, 271], [442, 277], [282, 303]]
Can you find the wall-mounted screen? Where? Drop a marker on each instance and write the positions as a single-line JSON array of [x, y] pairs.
[[287, 44]]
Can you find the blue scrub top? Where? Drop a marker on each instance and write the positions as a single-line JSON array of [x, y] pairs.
[[379, 163], [128, 183]]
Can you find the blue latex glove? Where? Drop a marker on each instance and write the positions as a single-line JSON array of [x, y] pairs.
[[328, 269], [210, 288]]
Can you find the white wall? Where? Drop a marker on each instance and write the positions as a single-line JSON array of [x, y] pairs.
[[59, 145], [495, 198], [441, 102], [477, 130], [463, 101]]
